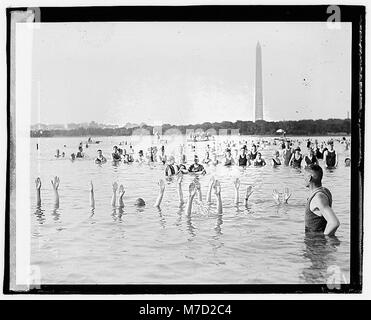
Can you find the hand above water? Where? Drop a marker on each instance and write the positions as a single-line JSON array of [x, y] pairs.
[[276, 196], [192, 189], [121, 191], [217, 187], [179, 178], [38, 183], [55, 183], [249, 191], [161, 184], [114, 187], [286, 195], [237, 184]]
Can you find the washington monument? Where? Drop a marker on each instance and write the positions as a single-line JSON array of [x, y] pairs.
[[258, 84]]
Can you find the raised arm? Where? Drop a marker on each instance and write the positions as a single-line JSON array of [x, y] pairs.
[[217, 190], [321, 202], [192, 193], [291, 159], [121, 196], [179, 181], [286, 195], [249, 191], [336, 159], [161, 184], [55, 184], [38, 195], [211, 184], [198, 188], [91, 194], [114, 190], [237, 191]]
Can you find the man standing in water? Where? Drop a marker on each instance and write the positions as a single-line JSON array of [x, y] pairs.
[[287, 153], [319, 216], [330, 156]]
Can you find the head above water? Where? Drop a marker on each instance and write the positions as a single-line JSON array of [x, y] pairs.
[[140, 202], [313, 175]]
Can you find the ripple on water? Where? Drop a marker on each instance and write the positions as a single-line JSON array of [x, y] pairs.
[[263, 243]]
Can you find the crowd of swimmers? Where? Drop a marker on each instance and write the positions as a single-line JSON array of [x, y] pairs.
[[290, 155], [319, 216]]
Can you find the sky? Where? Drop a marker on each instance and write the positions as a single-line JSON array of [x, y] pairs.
[[188, 72]]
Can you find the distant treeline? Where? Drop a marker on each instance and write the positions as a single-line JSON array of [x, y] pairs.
[[260, 127]]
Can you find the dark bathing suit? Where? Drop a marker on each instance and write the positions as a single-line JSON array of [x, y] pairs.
[[296, 163], [259, 163], [253, 155], [275, 162], [308, 161], [193, 168], [171, 168], [331, 158], [288, 155], [228, 162], [242, 160], [318, 153], [313, 222]]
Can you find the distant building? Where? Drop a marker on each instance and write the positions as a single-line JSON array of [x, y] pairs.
[[258, 84]]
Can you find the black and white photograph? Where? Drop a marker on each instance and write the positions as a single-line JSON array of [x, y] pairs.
[[185, 150]]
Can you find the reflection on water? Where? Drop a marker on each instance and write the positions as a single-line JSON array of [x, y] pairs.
[[321, 252], [259, 243]]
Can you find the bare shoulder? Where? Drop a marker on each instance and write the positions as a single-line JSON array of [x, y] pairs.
[[320, 200]]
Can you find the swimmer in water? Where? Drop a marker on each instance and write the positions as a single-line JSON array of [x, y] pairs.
[[319, 215], [116, 154], [330, 157], [296, 159], [196, 167], [228, 160], [100, 158], [171, 168], [80, 153], [57, 154], [244, 159], [310, 158], [347, 162], [259, 161], [276, 161]]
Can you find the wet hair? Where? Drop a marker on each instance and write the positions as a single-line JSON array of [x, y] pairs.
[[297, 149], [99, 150], [316, 173], [140, 202]]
